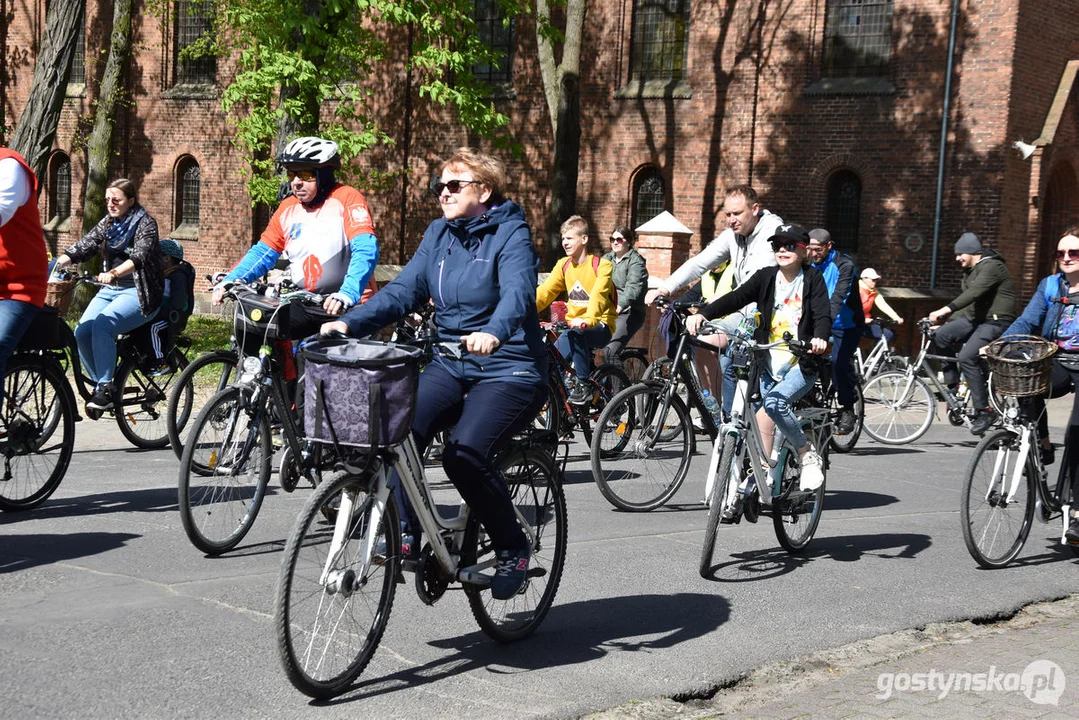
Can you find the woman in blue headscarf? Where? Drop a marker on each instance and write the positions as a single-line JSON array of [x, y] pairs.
[[127, 240]]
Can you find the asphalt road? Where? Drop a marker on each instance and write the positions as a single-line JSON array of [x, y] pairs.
[[106, 610]]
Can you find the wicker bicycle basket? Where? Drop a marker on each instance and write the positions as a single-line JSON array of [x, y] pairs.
[[58, 294], [1021, 364]]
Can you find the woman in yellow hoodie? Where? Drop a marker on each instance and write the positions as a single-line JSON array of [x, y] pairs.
[[591, 309]]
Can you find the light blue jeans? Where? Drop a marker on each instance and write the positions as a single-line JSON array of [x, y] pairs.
[[779, 398], [112, 312]]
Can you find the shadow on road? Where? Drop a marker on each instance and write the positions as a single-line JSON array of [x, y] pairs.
[[26, 551], [572, 634], [757, 565], [856, 500], [147, 500], [877, 450]]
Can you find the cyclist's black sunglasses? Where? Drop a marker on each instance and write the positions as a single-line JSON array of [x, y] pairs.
[[788, 245], [454, 186]]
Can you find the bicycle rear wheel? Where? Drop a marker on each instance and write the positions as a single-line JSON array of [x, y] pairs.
[[333, 601], [203, 378], [846, 442], [898, 408], [143, 401], [796, 516], [35, 456], [218, 508], [634, 362], [724, 474], [550, 415], [660, 370], [536, 489], [607, 381], [655, 448], [996, 521]]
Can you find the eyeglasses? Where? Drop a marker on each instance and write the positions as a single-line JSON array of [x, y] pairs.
[[1072, 253], [305, 175], [454, 186], [617, 238], [789, 246]]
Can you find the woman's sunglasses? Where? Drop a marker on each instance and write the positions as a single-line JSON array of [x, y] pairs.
[[305, 175], [1072, 253], [617, 238], [454, 186], [788, 246]]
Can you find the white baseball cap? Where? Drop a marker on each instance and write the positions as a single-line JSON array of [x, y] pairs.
[[870, 274]]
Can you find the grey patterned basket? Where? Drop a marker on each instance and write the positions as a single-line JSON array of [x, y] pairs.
[[348, 382]]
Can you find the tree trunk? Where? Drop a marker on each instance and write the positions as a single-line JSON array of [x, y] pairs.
[[99, 146], [567, 151], [36, 130]]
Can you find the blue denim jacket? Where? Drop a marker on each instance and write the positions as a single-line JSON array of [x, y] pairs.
[[481, 274], [1039, 311]]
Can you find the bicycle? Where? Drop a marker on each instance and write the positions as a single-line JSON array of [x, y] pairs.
[[900, 407], [880, 359], [743, 481], [644, 440], [1006, 485], [226, 464], [337, 583], [559, 415]]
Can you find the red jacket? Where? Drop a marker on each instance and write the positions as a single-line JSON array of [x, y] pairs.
[[24, 264]]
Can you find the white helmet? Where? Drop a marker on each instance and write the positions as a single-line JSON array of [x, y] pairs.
[[311, 151]]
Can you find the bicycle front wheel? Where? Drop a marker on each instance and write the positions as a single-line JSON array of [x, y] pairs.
[[655, 448], [218, 508], [796, 516], [336, 586], [845, 443], [898, 408], [38, 432], [206, 376], [535, 486], [724, 474], [997, 501], [143, 399]]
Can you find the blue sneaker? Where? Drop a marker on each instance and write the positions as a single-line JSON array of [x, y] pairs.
[[511, 572]]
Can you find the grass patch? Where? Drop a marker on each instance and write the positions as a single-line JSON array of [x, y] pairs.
[[208, 333]]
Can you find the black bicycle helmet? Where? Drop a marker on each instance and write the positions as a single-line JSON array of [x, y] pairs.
[[312, 151]]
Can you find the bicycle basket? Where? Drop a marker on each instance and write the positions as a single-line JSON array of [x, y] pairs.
[[58, 294], [1021, 364], [348, 382], [260, 320]]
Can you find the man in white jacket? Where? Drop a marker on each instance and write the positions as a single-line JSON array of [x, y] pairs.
[[745, 243]]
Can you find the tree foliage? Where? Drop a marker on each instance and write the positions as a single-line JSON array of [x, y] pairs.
[[307, 66]]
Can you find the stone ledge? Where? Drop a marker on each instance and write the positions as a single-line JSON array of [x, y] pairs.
[[672, 89], [851, 86]]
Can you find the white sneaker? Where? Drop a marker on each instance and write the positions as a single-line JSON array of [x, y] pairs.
[[812, 471]]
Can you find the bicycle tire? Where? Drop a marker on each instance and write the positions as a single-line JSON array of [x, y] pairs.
[[344, 616], [725, 472], [549, 417], [625, 479], [193, 389], [660, 369], [535, 485], [999, 540], [35, 406], [219, 511], [634, 363], [608, 381], [897, 412], [143, 400], [800, 509], [845, 443]]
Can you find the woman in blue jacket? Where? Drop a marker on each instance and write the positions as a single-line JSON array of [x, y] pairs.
[[478, 265], [1053, 313]]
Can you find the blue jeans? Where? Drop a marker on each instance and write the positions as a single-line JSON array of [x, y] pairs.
[[779, 398], [112, 312], [577, 345], [844, 344], [15, 317]]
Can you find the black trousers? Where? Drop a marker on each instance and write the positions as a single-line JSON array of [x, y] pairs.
[[969, 338], [1064, 380], [627, 326]]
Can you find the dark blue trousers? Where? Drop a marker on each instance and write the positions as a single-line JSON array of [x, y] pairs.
[[484, 416]]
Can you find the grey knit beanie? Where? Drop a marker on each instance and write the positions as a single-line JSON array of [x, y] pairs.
[[968, 244]]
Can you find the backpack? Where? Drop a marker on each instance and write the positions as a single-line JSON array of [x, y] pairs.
[[182, 299], [595, 271]]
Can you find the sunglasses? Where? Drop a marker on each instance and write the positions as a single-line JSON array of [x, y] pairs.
[[1072, 253], [617, 238], [113, 201], [454, 186], [789, 246], [305, 175]]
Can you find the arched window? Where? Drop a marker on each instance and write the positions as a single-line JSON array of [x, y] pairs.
[[649, 196], [59, 188], [660, 39], [188, 190], [194, 22], [842, 209]]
